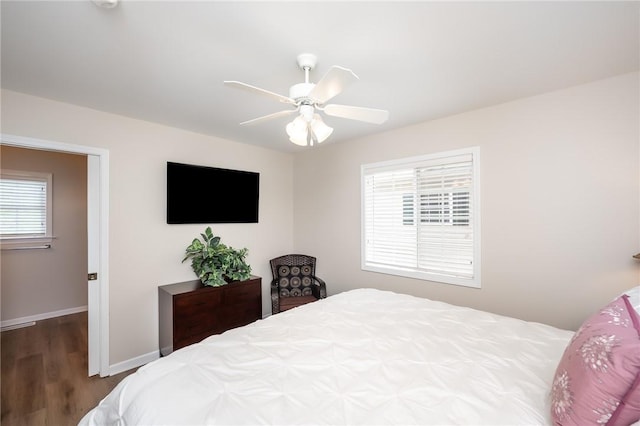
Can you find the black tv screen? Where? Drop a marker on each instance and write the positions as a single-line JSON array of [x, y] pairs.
[[199, 194]]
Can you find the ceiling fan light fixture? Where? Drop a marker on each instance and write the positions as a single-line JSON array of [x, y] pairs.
[[303, 132], [298, 141], [321, 130], [297, 131]]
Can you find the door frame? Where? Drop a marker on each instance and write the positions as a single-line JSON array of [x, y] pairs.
[[98, 305]]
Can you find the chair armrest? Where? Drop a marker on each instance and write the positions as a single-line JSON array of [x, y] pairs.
[[275, 297], [320, 288]]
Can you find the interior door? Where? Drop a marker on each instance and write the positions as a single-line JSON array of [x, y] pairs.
[[93, 247], [98, 242]]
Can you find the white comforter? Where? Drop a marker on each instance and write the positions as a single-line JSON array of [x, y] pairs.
[[360, 357]]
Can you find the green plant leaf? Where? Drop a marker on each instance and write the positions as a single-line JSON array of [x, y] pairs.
[[212, 260]]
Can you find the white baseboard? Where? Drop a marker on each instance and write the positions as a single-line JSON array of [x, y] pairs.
[[136, 362], [40, 317], [17, 326]]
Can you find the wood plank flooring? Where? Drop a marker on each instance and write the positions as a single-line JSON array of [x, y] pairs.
[[44, 374]]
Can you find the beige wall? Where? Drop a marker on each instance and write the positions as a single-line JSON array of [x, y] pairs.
[[38, 282], [145, 252], [559, 202]]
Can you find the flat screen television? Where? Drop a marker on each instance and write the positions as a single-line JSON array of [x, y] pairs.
[[199, 194]]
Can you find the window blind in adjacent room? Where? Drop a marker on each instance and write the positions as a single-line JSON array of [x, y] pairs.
[[23, 207]]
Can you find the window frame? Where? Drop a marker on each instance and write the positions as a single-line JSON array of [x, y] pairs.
[[47, 237], [415, 162]]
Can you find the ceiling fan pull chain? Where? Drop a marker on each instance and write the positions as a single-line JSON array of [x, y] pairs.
[[311, 137]]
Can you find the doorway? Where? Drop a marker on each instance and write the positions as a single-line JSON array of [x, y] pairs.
[[98, 242]]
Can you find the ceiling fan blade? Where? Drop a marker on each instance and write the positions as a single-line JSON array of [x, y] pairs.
[[253, 89], [370, 115], [332, 83], [269, 117]]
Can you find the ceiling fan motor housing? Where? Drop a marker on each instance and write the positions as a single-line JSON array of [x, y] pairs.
[[307, 112], [301, 91]]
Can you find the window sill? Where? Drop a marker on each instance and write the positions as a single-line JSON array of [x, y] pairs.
[[425, 276], [24, 243]]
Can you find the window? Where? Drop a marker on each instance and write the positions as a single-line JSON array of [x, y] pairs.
[[421, 217], [443, 207], [25, 205]]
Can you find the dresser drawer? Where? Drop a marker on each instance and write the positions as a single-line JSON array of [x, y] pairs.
[[187, 325], [198, 302], [190, 312], [238, 315], [245, 293]]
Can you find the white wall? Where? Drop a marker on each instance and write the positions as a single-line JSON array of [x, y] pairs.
[[145, 252], [559, 192], [560, 203]]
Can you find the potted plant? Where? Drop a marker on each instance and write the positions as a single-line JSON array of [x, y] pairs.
[[215, 263]]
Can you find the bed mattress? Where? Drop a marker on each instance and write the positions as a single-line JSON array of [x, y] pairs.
[[362, 357]]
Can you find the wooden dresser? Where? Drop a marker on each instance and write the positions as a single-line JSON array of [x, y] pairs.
[[189, 311]]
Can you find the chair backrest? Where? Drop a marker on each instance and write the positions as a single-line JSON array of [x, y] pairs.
[[294, 273]]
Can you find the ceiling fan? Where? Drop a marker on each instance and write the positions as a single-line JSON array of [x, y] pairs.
[[307, 99]]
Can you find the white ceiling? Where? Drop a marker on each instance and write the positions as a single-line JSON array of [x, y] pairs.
[[165, 61]]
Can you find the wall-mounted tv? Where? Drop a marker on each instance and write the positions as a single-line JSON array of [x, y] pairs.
[[199, 194]]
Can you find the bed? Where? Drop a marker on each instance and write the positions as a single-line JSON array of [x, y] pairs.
[[359, 358]]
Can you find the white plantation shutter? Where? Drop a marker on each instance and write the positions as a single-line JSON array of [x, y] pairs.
[[420, 217], [24, 209], [388, 202]]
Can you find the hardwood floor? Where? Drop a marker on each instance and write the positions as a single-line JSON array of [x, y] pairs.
[[44, 374]]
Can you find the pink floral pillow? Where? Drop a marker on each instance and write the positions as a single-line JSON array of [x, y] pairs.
[[598, 379]]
